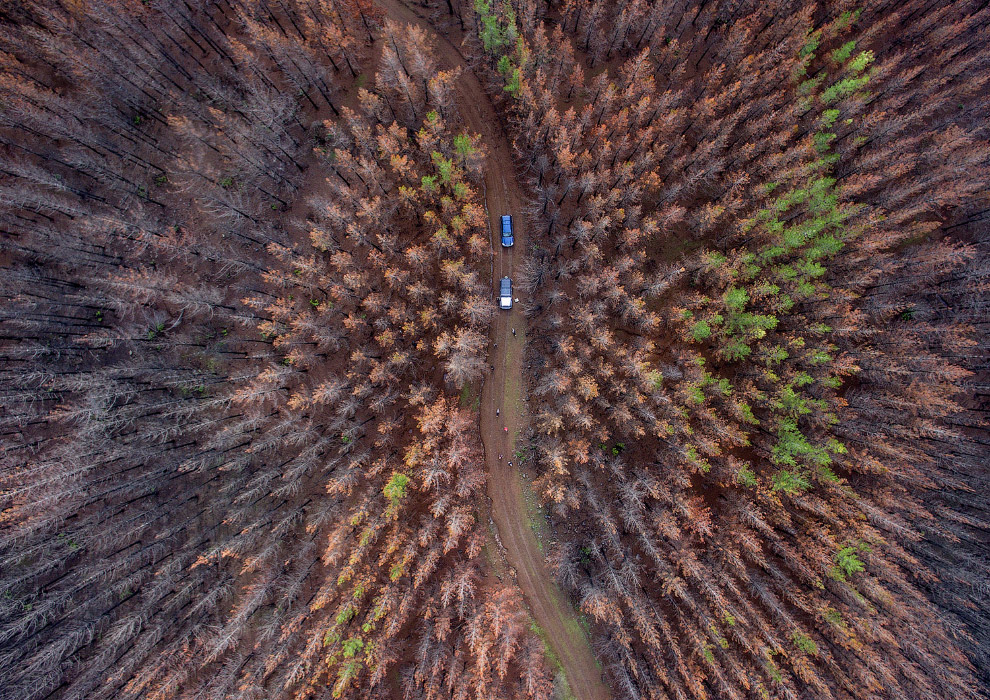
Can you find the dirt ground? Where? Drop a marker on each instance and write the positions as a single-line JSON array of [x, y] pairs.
[[504, 389]]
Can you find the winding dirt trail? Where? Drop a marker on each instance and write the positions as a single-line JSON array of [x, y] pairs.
[[503, 389]]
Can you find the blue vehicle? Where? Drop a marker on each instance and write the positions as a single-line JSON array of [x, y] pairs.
[[507, 239]]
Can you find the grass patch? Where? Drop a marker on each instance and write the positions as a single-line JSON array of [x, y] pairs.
[[470, 398], [535, 516], [489, 557], [513, 395], [553, 659]]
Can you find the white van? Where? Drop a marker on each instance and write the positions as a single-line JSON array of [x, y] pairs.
[[505, 294]]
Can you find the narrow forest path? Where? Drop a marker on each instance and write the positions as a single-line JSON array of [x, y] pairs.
[[504, 388]]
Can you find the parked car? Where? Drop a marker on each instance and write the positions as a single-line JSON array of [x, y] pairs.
[[505, 294], [507, 239]]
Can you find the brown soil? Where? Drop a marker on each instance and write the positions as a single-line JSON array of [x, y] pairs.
[[503, 388]]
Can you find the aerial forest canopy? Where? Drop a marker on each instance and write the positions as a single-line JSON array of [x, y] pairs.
[[251, 350]]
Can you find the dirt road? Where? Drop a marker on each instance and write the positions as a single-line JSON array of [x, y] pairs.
[[503, 389]]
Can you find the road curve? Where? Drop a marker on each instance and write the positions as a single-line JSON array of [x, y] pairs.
[[503, 389]]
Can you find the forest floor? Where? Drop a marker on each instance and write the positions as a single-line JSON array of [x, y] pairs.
[[555, 619]]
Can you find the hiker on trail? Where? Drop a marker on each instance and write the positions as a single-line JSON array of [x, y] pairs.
[[510, 462], [500, 457], [505, 430], [496, 412], [513, 332]]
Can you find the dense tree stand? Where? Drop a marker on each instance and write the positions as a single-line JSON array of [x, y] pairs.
[[264, 425]]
